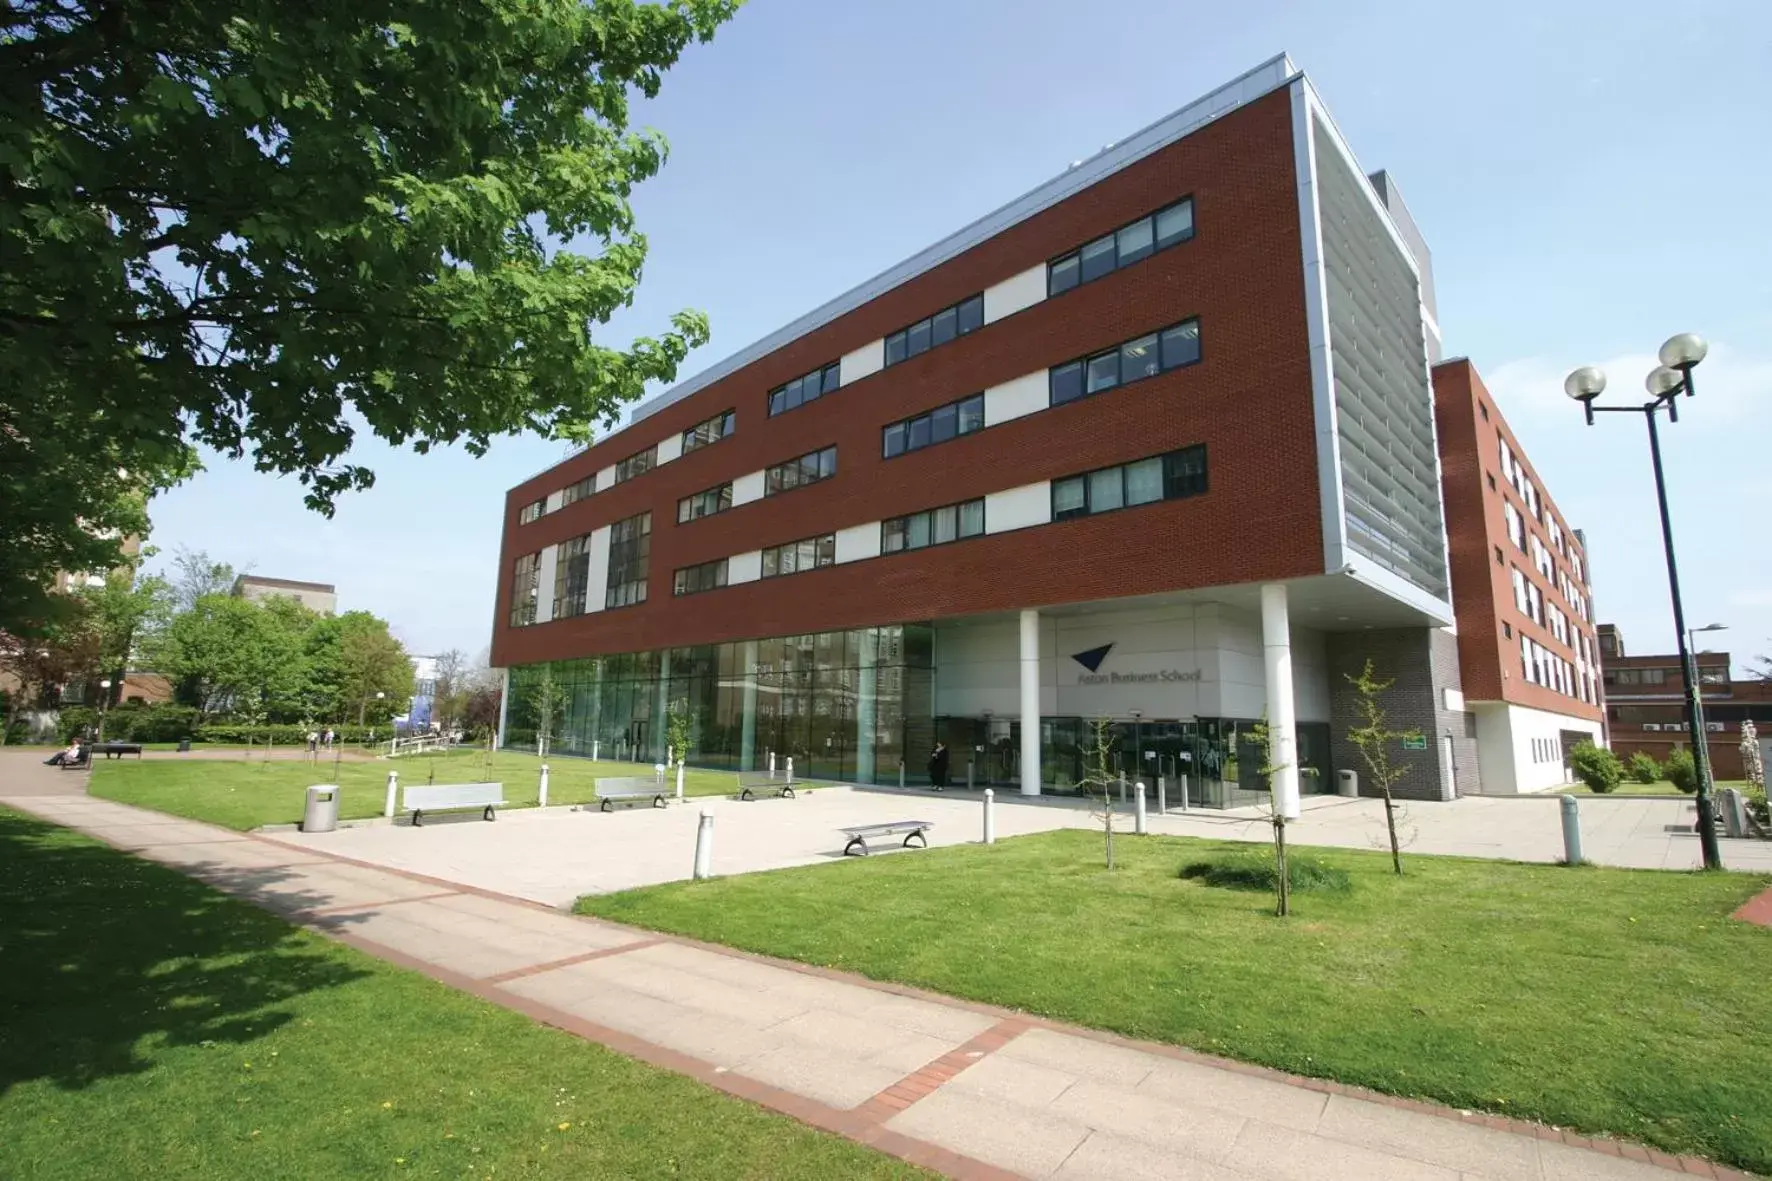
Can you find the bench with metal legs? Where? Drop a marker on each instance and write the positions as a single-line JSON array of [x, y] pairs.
[[913, 830]]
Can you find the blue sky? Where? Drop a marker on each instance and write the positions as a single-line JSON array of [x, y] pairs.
[[1591, 178]]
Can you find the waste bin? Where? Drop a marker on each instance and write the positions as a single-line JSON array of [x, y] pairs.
[[321, 814], [1347, 783], [184, 746]]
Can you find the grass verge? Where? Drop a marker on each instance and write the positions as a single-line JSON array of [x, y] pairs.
[[1612, 1001], [153, 1027], [249, 793]]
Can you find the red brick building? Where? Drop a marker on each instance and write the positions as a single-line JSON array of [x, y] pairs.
[[1646, 706], [1154, 443]]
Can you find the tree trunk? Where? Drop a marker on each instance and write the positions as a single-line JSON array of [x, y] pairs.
[[1390, 822], [1282, 887]]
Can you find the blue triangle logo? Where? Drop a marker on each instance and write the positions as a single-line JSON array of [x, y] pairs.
[[1092, 659]]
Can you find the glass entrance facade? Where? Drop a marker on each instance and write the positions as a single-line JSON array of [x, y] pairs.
[[843, 705]]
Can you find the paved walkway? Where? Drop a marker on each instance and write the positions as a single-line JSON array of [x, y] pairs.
[[555, 855], [973, 1091]]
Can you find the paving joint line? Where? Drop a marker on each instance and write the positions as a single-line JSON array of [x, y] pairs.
[[569, 961], [340, 908]]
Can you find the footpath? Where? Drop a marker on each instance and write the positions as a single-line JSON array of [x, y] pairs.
[[969, 1090]]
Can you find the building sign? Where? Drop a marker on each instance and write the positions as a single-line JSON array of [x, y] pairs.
[[1415, 742], [1092, 661]]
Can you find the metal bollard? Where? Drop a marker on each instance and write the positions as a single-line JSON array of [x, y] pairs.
[[1138, 810], [1162, 795], [388, 807], [1122, 787], [990, 820], [658, 774], [542, 792], [1571, 830], [790, 768], [772, 764], [593, 750], [968, 774], [1184, 804], [901, 772], [704, 846], [679, 781]]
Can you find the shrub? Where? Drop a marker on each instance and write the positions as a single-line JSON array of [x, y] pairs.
[[1597, 767], [240, 733], [1682, 772], [1644, 768], [163, 722], [75, 719], [1255, 870]]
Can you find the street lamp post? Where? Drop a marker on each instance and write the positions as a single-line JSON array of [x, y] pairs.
[[1665, 383], [1698, 687], [104, 703]]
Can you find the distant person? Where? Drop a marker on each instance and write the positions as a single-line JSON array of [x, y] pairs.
[[313, 741], [63, 757], [938, 766]]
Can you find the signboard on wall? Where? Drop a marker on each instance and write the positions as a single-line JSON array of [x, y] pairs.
[[1415, 742]]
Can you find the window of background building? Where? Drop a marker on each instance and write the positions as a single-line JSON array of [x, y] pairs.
[[531, 512], [705, 503], [961, 319], [525, 583], [797, 473], [936, 526], [797, 557], [571, 572], [796, 393], [636, 464], [1161, 477], [1516, 528], [711, 431], [1147, 356], [630, 549], [937, 426], [1125, 246], [692, 580]]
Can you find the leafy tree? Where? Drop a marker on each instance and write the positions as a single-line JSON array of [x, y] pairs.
[[1373, 737], [1600, 769], [228, 654], [449, 689], [547, 701], [1100, 780], [91, 635], [265, 227], [1681, 771], [1643, 767], [195, 574], [679, 730], [1263, 738]]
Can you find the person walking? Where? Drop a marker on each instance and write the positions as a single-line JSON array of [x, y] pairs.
[[938, 766]]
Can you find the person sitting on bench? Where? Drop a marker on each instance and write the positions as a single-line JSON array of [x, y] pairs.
[[71, 755]]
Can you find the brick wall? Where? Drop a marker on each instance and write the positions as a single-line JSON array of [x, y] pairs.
[[1421, 662], [1249, 401]]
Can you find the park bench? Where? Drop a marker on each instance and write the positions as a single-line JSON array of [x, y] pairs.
[[450, 797], [635, 788], [74, 764], [859, 836], [116, 750], [751, 784]]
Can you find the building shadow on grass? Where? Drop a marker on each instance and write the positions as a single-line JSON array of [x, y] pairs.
[[104, 957]]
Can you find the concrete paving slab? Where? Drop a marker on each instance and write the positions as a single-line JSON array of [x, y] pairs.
[[458, 933], [1116, 1066], [1106, 1157], [1198, 1132], [572, 991], [1188, 1084], [1430, 1138], [318, 886], [1025, 1140], [836, 1079], [1275, 1153], [237, 854], [760, 1010], [1561, 1162], [1016, 1084]]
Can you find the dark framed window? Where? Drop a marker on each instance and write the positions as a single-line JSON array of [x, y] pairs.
[[693, 580], [797, 557], [1173, 476], [936, 526], [796, 393], [937, 426], [711, 431], [1155, 352], [797, 473], [571, 572], [630, 551], [1134, 242], [575, 492], [705, 503], [525, 583], [1499, 560], [961, 319], [531, 512], [637, 464]]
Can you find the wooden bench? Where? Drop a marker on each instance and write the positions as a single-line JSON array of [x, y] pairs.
[[85, 760], [634, 788], [859, 835], [450, 797], [116, 750], [754, 783]]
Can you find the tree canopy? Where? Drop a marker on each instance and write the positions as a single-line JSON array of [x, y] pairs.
[[262, 227]]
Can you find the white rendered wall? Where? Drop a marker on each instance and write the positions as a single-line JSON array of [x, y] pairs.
[[747, 488], [606, 479], [868, 359], [858, 542], [1026, 395], [544, 586], [554, 500], [1505, 759], [1015, 293], [745, 567], [597, 572], [1018, 508], [670, 447]]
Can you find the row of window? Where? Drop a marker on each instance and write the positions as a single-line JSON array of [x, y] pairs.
[[705, 504], [1147, 356], [711, 431], [637, 464], [630, 547], [692, 580], [937, 426], [796, 393], [797, 557], [1125, 246], [961, 319], [936, 526], [1546, 750], [1162, 477], [572, 571], [809, 468], [525, 583]]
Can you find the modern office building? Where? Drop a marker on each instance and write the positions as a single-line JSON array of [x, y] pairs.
[[1153, 443], [1646, 705], [315, 596]]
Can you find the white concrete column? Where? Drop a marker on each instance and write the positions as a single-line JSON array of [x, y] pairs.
[[866, 690], [1276, 647], [1030, 703], [747, 749], [504, 707]]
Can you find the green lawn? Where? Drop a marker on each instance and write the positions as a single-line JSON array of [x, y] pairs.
[[248, 793], [1615, 1001], [152, 1027]]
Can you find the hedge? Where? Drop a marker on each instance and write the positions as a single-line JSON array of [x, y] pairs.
[[284, 735]]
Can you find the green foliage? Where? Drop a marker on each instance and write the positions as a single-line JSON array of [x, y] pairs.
[[75, 719], [164, 722], [1681, 771], [679, 730], [1374, 739], [1643, 768], [283, 734], [1597, 767], [264, 228], [1255, 871], [228, 654]]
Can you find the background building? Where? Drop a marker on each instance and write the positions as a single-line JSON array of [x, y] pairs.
[[1153, 443], [320, 597], [1646, 705]]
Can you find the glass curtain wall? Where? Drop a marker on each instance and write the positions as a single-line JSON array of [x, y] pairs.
[[843, 705]]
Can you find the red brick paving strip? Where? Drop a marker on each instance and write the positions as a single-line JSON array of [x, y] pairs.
[[1757, 909], [582, 957], [930, 1078]]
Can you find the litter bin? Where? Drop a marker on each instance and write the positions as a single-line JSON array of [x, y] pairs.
[[321, 814], [1347, 783], [184, 746]]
